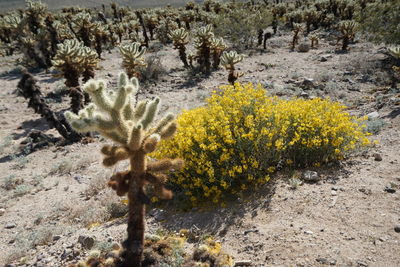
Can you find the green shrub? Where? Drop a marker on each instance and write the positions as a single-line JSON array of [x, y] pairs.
[[241, 136], [382, 20]]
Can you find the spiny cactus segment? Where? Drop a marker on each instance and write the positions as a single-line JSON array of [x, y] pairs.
[[132, 58], [117, 117], [229, 60], [180, 39]]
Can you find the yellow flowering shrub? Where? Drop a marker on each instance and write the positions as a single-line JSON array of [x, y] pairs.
[[241, 135]]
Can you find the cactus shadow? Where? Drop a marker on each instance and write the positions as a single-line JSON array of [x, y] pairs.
[[217, 220], [32, 125]]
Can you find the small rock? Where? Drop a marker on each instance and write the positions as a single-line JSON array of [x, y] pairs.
[[322, 260], [389, 189], [373, 115], [332, 262], [158, 214], [361, 263], [243, 263], [377, 157], [56, 237], [304, 94], [333, 193], [325, 58], [310, 176], [10, 225], [87, 242], [303, 47], [308, 83], [397, 228], [2, 211], [308, 232], [250, 231], [365, 191]]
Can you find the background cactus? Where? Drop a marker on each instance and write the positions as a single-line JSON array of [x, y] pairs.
[[229, 60], [180, 39], [348, 29], [204, 37], [132, 58], [118, 118], [297, 28]]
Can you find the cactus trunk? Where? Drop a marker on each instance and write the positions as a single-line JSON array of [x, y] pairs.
[[182, 56]]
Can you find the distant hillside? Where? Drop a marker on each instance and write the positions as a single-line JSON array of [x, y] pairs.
[[6, 5]]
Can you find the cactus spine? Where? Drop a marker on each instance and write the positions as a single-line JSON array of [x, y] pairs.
[[128, 125]]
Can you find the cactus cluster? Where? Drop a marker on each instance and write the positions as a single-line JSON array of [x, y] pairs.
[[128, 124], [132, 58], [348, 29]]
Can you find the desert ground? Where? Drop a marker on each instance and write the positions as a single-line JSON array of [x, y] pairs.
[[55, 206]]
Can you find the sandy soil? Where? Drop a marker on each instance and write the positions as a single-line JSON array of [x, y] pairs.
[[50, 197]]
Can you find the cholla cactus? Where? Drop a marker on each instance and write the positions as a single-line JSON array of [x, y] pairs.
[[68, 61], [187, 17], [314, 39], [82, 24], [180, 39], [395, 52], [165, 28], [132, 58], [229, 60], [297, 28], [204, 37], [217, 47], [89, 63], [35, 14], [310, 16], [348, 29], [116, 117], [101, 35], [151, 22]]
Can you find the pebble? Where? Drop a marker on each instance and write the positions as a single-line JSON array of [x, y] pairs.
[[333, 193], [377, 157], [373, 115], [397, 228], [56, 237], [2, 211], [361, 263], [243, 263], [309, 232], [389, 189], [310, 176], [10, 225], [87, 242]]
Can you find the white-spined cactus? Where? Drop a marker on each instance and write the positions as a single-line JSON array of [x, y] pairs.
[[132, 58], [180, 38], [203, 39], [115, 116], [229, 60], [348, 29]]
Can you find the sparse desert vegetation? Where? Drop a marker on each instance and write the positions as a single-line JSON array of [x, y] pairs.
[[208, 133]]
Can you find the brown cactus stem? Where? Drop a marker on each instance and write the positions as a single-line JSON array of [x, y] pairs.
[[182, 55], [146, 37], [187, 25], [133, 246], [260, 37], [71, 76], [31, 91], [345, 42], [232, 77], [77, 98]]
